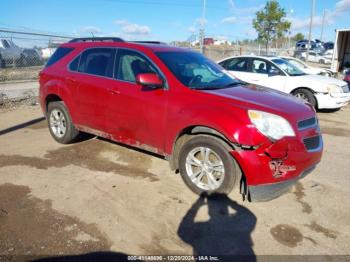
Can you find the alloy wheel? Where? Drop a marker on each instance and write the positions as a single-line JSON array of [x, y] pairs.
[[58, 123], [205, 168]]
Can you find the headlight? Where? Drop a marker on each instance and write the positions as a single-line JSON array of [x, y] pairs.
[[270, 125], [333, 88]]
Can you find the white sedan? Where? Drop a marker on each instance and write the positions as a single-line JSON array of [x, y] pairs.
[[307, 68], [276, 73], [316, 58]]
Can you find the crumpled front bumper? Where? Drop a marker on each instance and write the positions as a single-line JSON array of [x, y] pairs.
[[272, 168], [268, 192]]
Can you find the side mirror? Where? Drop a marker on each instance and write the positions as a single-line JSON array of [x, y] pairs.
[[149, 79]]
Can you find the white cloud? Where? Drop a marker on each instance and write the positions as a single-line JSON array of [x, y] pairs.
[[300, 23], [340, 8], [243, 16], [192, 29], [238, 10], [229, 20], [132, 28]]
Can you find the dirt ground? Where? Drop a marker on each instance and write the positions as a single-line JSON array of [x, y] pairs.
[[99, 196]]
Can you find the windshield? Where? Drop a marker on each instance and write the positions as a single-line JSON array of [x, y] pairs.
[[297, 63], [288, 67], [196, 71]]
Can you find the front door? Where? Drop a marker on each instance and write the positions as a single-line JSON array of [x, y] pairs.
[[264, 73], [137, 113]]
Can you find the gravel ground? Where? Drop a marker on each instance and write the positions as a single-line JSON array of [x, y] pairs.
[[96, 195]]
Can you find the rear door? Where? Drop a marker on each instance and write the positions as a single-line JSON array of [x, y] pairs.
[[92, 78]]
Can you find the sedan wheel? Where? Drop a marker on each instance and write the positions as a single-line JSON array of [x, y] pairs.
[[301, 96], [305, 95]]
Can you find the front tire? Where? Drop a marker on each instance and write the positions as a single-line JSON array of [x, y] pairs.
[[60, 123], [207, 167], [306, 95]]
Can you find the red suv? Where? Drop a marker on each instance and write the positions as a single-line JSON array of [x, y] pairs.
[[217, 131]]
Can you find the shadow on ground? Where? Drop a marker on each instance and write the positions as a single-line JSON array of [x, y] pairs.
[[226, 233]]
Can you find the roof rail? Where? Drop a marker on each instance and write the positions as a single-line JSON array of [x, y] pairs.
[[149, 42], [96, 39]]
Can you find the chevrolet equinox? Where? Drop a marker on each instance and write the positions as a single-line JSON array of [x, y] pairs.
[[215, 130]]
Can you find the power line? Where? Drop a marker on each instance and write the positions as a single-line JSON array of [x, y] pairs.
[[33, 33]]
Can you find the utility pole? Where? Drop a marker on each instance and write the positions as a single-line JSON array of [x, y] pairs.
[[201, 30], [310, 30], [323, 20]]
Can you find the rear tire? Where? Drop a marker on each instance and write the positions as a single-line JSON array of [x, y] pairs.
[[60, 123], [207, 167], [306, 95]]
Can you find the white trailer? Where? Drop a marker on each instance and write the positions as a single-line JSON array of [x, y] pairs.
[[341, 53]]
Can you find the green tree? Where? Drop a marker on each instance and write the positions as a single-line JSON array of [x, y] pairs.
[[298, 37], [270, 22]]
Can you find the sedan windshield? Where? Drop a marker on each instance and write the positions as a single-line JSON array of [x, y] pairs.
[[297, 63], [196, 71], [288, 67]]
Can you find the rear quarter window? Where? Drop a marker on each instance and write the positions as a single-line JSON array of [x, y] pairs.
[[73, 66], [58, 55]]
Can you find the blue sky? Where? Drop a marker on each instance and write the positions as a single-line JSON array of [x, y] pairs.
[[164, 20]]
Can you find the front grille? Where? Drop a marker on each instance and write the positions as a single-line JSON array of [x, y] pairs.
[[307, 123], [345, 89], [313, 143]]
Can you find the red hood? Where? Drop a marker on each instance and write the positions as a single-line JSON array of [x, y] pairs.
[[266, 99]]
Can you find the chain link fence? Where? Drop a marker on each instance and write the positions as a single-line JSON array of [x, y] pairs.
[[23, 54], [217, 53]]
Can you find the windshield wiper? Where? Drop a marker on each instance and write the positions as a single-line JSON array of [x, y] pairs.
[[233, 84], [217, 87]]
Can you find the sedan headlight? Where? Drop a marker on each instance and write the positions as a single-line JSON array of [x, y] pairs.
[[334, 89], [270, 125]]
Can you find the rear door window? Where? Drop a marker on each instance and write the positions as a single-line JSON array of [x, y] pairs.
[[97, 61], [237, 64]]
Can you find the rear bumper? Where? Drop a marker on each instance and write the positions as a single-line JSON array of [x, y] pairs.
[[327, 101], [268, 192]]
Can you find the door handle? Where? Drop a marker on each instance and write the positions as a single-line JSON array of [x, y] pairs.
[[114, 92], [70, 79]]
